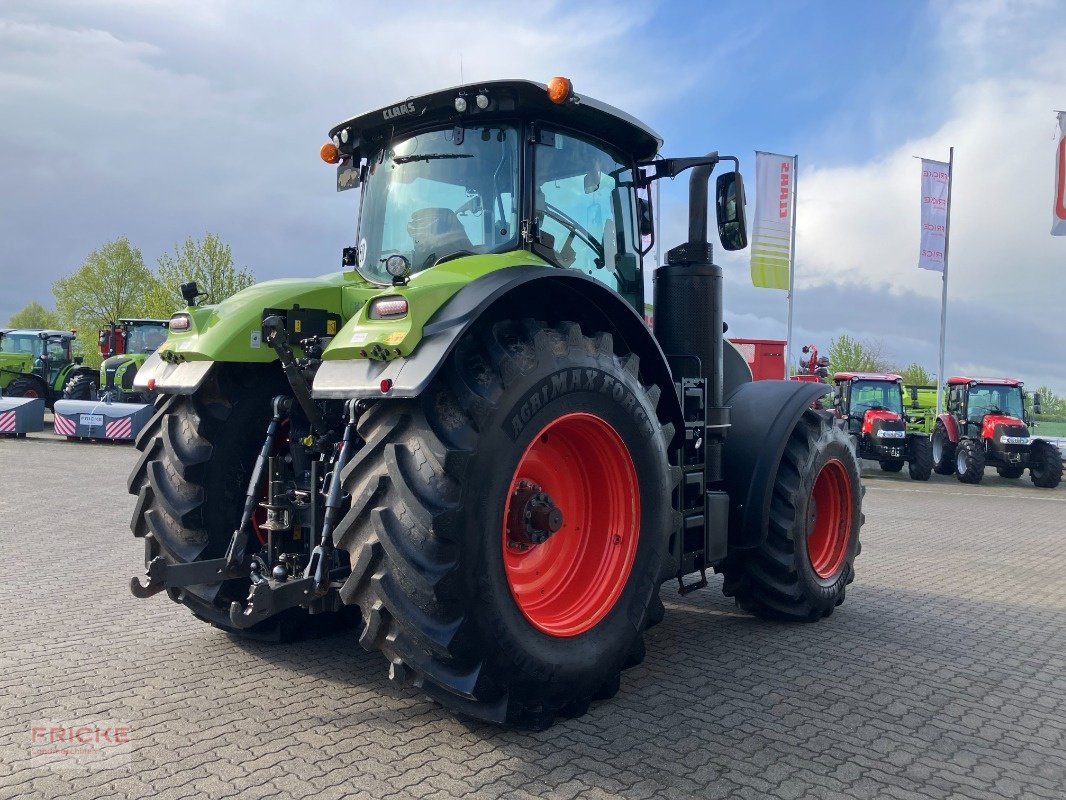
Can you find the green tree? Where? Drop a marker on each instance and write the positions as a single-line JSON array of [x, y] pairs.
[[1050, 403], [208, 262], [917, 375], [34, 316], [110, 284], [857, 355]]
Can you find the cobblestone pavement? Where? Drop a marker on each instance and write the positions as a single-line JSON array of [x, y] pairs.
[[943, 675]]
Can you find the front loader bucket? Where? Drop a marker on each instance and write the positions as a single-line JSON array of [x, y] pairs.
[[21, 415], [94, 419]]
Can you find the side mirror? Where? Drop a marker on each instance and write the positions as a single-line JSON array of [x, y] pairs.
[[1036, 403], [645, 220], [729, 203]]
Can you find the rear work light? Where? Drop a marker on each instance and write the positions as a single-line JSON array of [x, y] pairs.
[[388, 308], [180, 322]]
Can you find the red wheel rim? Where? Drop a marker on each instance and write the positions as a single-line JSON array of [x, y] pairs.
[[829, 517], [31, 393], [569, 583]]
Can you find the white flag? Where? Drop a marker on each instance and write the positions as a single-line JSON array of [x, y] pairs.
[[771, 240], [1058, 224], [936, 177]]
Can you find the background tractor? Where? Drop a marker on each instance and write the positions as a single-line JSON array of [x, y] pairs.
[[124, 348], [921, 408], [812, 367], [37, 363], [987, 424], [470, 436], [870, 407]]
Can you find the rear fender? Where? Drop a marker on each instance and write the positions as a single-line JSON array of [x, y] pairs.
[[951, 426], [514, 292], [762, 415]]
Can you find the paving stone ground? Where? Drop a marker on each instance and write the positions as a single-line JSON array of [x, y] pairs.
[[942, 675]]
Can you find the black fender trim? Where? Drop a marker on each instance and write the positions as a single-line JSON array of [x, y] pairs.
[[763, 414], [524, 291]]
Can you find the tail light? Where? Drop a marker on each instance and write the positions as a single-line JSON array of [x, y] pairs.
[[388, 308]]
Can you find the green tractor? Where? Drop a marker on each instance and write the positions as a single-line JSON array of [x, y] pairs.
[[37, 363], [470, 437], [124, 348], [869, 406]]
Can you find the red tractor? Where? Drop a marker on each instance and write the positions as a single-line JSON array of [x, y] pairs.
[[985, 424], [869, 406]]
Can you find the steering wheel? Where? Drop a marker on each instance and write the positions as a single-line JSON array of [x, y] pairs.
[[575, 228]]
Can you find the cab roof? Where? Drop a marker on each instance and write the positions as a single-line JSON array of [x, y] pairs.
[[37, 332], [507, 98], [867, 376], [956, 380]]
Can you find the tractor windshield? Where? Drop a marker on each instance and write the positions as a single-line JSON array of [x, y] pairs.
[[29, 343], [145, 338], [877, 396], [439, 194], [994, 399]]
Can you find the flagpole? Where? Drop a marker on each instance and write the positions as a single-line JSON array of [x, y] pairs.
[[791, 265], [944, 294]]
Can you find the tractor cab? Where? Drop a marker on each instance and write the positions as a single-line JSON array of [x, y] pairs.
[[869, 402], [132, 336], [502, 167], [981, 404], [50, 350]]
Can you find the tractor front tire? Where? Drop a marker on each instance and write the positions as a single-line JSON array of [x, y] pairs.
[[1011, 472], [892, 465], [1045, 467], [454, 587], [800, 571], [920, 466], [197, 454], [970, 461], [80, 387], [943, 450]]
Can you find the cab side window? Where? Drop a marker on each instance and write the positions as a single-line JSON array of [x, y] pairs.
[[583, 211]]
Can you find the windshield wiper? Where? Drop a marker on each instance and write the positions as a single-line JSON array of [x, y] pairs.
[[429, 157]]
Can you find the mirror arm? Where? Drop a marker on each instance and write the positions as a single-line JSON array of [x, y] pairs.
[[672, 167]]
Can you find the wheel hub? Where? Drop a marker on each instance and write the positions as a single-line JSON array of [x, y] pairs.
[[533, 518]]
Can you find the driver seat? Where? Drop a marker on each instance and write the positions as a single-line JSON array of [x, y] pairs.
[[436, 232]]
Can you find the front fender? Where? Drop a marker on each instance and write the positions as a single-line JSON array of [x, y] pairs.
[[762, 415]]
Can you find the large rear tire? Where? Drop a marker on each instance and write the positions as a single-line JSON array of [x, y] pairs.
[[197, 454], [80, 387], [970, 461], [489, 622], [943, 450], [1045, 469], [801, 569], [920, 466]]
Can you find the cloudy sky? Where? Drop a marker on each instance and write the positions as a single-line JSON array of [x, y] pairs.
[[160, 120]]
